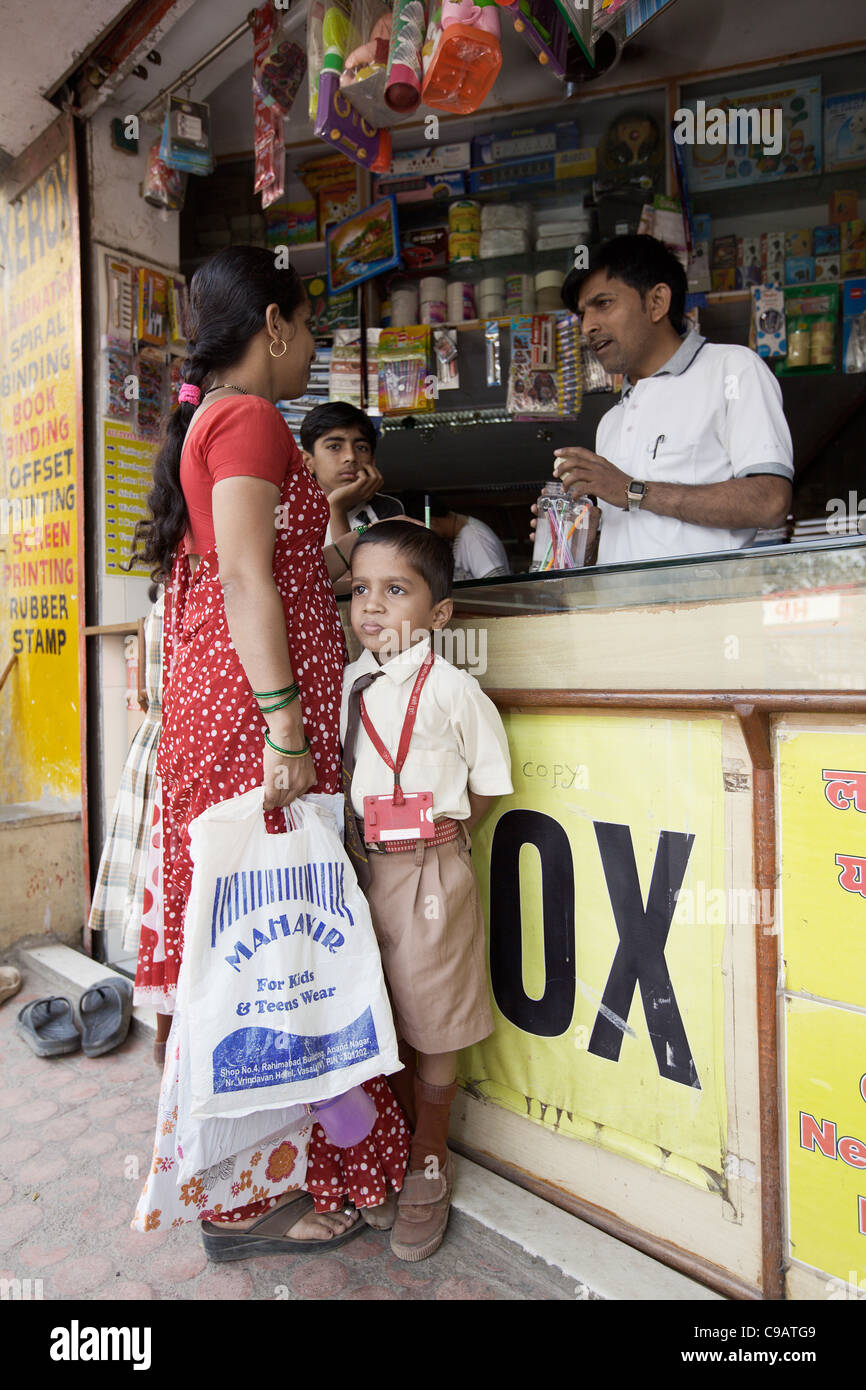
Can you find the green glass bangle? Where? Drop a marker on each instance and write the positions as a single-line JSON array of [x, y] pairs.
[[341, 555], [272, 694], [270, 709], [289, 752], [359, 530]]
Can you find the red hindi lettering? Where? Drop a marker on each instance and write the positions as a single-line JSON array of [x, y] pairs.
[[844, 787], [853, 875]]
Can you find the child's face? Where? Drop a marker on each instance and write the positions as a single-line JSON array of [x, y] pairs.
[[337, 457], [392, 607]]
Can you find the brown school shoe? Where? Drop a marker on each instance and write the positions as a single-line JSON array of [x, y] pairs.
[[422, 1213]]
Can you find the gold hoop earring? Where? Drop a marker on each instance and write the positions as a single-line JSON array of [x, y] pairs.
[[271, 348]]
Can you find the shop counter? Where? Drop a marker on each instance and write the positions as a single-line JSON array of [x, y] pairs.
[[676, 904]]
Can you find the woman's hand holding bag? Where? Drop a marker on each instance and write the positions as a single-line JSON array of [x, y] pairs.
[[286, 778]]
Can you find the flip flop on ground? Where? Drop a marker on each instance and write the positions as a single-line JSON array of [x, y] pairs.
[[48, 1026], [105, 1011]]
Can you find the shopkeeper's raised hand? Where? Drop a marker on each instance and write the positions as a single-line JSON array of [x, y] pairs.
[[581, 471]]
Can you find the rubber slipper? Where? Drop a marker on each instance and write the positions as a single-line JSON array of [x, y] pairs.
[[259, 1239], [48, 1026], [105, 1011], [10, 982]]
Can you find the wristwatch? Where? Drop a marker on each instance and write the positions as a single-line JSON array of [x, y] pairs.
[[635, 493]]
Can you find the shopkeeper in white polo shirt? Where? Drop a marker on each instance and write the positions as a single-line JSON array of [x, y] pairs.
[[696, 455]]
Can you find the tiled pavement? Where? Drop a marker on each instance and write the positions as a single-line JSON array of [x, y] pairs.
[[76, 1135]]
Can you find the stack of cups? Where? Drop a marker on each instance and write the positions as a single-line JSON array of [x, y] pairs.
[[548, 291], [464, 230], [519, 294], [404, 304], [433, 291], [461, 301], [492, 297]]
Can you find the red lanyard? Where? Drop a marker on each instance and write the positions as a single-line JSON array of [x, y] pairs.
[[405, 733]]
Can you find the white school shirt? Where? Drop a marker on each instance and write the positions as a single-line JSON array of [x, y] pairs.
[[712, 412], [478, 552], [365, 515], [458, 743]]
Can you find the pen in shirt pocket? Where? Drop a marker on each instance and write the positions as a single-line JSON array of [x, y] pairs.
[[655, 448]]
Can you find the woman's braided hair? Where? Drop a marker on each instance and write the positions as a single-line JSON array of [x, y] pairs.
[[228, 299]]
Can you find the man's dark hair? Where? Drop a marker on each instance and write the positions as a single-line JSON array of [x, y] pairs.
[[428, 554], [640, 262], [335, 415]]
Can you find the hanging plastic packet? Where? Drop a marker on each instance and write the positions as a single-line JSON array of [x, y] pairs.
[[344, 377], [531, 390], [337, 121], [461, 55], [186, 142], [163, 187], [403, 82], [152, 324], [569, 370], [365, 69], [404, 378], [279, 63], [445, 358], [178, 305], [315, 54], [118, 388], [493, 353], [150, 370], [119, 323]]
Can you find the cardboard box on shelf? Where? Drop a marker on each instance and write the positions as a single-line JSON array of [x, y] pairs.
[[842, 206], [826, 239], [799, 270], [828, 267], [799, 243]]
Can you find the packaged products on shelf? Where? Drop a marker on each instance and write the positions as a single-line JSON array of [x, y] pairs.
[[854, 326], [461, 55], [344, 381], [432, 292], [534, 154], [845, 131], [425, 246], [748, 262], [842, 206], [519, 294], [460, 298], [548, 290], [420, 188], [799, 270], [828, 267], [404, 377], [799, 243], [768, 315], [464, 215], [445, 358], [773, 258], [531, 391], [491, 292], [404, 304], [853, 246], [504, 241], [431, 159], [826, 240], [811, 316], [464, 246]]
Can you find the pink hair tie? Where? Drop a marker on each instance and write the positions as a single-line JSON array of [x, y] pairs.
[[188, 393]]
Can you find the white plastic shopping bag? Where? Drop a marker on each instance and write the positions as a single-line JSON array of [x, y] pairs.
[[281, 983]]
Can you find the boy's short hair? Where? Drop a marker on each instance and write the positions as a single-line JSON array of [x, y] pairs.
[[428, 554], [640, 262], [335, 415]]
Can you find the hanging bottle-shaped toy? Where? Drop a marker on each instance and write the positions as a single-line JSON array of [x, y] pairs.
[[462, 55]]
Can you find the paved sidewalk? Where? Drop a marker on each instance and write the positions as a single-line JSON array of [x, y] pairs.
[[76, 1135]]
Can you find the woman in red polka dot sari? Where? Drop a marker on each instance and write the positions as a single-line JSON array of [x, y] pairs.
[[237, 529]]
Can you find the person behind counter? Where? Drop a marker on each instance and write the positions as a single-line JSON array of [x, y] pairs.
[[478, 551], [696, 455], [338, 442]]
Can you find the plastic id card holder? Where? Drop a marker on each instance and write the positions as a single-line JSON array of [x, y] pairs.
[[411, 821]]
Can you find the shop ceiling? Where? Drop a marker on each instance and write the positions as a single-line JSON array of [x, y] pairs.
[[692, 36]]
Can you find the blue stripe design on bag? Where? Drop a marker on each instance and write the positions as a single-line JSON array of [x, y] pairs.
[[238, 894]]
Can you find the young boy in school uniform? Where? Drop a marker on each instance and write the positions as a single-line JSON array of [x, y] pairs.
[[412, 723]]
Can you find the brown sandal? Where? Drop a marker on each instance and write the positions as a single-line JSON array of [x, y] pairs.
[[269, 1235]]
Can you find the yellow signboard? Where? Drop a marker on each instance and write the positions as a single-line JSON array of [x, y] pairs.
[[826, 1086], [822, 799], [605, 961], [39, 516]]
